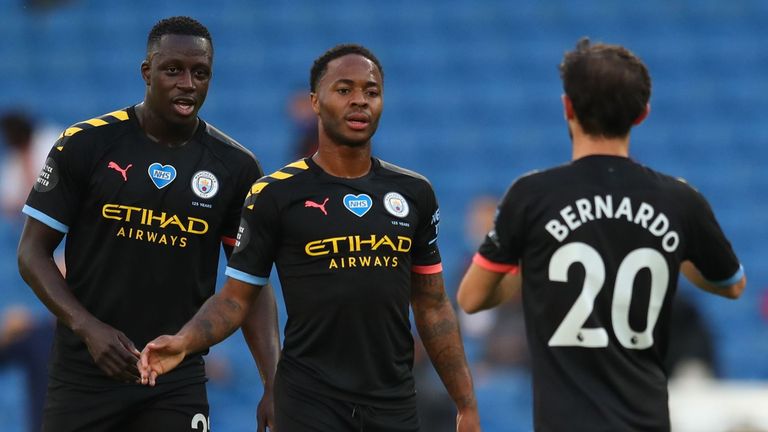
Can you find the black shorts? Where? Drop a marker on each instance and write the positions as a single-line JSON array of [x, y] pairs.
[[167, 407], [299, 410]]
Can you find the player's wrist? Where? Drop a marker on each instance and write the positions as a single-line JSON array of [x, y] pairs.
[[268, 387], [467, 405], [186, 343], [81, 325], [469, 415]]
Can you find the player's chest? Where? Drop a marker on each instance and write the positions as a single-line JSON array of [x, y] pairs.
[[337, 216], [146, 181]]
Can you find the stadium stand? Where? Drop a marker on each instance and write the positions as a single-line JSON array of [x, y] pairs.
[[472, 101]]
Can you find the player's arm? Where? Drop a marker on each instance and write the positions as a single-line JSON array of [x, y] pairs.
[[709, 257], [494, 276], [261, 333], [260, 330], [728, 289], [260, 326], [111, 350], [439, 332], [218, 318], [485, 286]]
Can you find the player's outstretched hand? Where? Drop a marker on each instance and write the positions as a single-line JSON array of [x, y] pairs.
[[160, 356], [265, 413], [111, 350], [468, 421]]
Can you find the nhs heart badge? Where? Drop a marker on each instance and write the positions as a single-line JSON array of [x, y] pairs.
[[161, 175], [358, 204]]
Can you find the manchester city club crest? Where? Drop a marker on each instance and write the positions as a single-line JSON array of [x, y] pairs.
[[396, 204], [205, 184]]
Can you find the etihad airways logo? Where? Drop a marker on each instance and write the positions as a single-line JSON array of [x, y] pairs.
[[153, 218], [154, 226], [360, 251], [357, 243]]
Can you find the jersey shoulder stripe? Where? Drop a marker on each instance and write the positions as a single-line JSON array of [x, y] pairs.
[[109, 118], [283, 173], [106, 119]]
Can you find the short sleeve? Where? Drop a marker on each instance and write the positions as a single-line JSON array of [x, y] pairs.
[[502, 247], [248, 175], [708, 248], [256, 239], [55, 198], [426, 255]]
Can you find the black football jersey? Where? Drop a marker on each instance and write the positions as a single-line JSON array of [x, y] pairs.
[[344, 251], [144, 225], [600, 241]]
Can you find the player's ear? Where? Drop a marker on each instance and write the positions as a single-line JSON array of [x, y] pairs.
[[315, 102], [642, 115], [567, 107], [145, 68]]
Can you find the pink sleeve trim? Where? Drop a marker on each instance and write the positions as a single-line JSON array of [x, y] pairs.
[[428, 269], [494, 267], [229, 241]]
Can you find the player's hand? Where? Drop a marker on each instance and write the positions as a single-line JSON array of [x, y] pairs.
[[160, 356], [265, 413], [468, 420], [112, 351]]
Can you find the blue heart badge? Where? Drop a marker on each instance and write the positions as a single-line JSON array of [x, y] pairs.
[[161, 175], [358, 204]]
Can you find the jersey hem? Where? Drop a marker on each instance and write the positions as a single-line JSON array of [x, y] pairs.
[[245, 277], [492, 266], [44, 218], [731, 280], [427, 269]]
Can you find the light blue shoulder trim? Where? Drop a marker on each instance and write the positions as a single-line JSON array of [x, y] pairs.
[[731, 280], [44, 218], [245, 277]]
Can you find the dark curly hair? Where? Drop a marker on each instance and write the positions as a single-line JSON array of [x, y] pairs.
[[608, 85], [320, 65]]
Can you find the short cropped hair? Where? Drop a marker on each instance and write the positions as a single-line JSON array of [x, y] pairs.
[[178, 25], [608, 86], [320, 66]]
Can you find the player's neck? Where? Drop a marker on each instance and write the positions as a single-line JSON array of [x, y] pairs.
[[162, 132], [343, 161], [591, 145]]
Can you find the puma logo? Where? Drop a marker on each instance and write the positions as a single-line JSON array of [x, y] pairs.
[[122, 171], [309, 203]]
